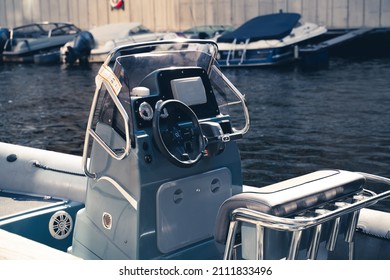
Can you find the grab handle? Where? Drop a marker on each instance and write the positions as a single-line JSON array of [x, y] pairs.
[[107, 78]]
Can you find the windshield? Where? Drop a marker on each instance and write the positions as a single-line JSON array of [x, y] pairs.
[[141, 66], [44, 29]]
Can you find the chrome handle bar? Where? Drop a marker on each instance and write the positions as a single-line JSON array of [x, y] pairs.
[[113, 86]]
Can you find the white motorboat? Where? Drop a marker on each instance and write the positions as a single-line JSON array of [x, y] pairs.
[[272, 39], [94, 45], [38, 42]]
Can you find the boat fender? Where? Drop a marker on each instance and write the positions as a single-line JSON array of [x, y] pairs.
[[117, 4], [374, 222]]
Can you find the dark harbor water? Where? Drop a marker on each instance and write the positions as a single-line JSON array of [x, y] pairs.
[[300, 121]]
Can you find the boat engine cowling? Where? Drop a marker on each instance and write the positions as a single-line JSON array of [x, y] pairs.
[[4, 36], [81, 49]]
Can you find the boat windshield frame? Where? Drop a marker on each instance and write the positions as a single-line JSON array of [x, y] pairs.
[[148, 57], [43, 29], [177, 44], [145, 58]]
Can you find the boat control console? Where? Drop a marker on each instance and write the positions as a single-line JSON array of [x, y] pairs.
[[163, 158]]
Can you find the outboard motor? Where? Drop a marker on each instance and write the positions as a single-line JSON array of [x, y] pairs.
[[4, 36], [81, 49]]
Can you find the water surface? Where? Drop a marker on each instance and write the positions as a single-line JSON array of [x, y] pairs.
[[300, 121]]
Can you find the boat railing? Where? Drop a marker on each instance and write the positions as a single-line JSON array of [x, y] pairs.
[[231, 50], [243, 55], [331, 218], [107, 78]]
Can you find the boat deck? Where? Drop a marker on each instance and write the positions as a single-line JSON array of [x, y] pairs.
[[16, 247], [13, 203]]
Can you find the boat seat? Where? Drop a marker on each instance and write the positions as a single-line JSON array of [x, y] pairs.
[[289, 198]]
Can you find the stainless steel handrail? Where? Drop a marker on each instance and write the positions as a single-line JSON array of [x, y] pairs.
[[299, 223], [230, 51], [243, 55], [291, 224], [241, 99], [107, 78]]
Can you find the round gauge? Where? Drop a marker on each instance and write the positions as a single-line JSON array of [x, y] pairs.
[[145, 111]]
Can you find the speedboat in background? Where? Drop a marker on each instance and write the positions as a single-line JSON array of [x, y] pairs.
[[95, 44], [206, 31], [266, 40], [37, 42]]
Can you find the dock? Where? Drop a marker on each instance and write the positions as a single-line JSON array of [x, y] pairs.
[[337, 40], [317, 55]]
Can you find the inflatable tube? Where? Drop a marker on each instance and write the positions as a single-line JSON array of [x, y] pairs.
[[376, 223], [40, 172]]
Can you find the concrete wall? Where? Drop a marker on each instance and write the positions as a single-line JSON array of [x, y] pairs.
[[175, 15]]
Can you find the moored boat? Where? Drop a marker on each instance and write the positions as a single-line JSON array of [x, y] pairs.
[[163, 176], [94, 45], [37, 39], [266, 40]]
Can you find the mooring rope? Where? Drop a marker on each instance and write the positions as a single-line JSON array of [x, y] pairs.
[[39, 165]]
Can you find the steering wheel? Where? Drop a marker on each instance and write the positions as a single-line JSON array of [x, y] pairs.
[[177, 133]]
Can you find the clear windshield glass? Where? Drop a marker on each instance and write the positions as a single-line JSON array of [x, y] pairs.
[[132, 64]]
